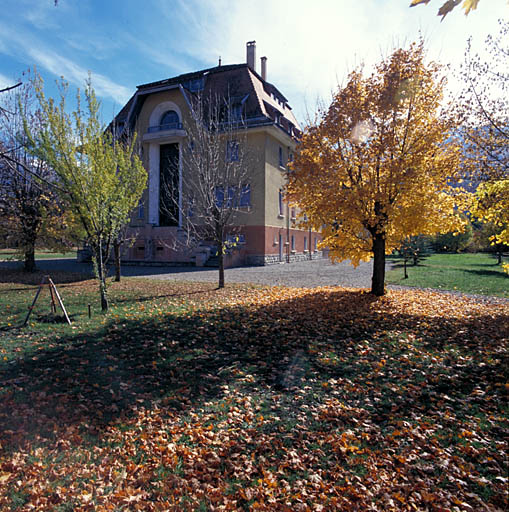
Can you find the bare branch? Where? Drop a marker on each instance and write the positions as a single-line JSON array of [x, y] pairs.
[[11, 87]]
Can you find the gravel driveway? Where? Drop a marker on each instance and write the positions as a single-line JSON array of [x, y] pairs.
[[306, 274]]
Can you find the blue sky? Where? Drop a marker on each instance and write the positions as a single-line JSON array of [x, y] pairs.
[[310, 46]]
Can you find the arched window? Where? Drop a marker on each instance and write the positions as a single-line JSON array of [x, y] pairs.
[[169, 120]]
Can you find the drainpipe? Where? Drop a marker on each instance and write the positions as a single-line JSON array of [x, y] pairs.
[[287, 219], [287, 233], [310, 252]]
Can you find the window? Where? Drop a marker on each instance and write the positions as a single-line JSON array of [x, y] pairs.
[[237, 198], [141, 210], [236, 239], [232, 151], [170, 121], [281, 164], [293, 213], [293, 243], [219, 196], [245, 196], [316, 244], [196, 85], [305, 244], [236, 112], [281, 204]]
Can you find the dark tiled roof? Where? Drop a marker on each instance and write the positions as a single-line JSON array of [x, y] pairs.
[[124, 111], [261, 100], [190, 76]]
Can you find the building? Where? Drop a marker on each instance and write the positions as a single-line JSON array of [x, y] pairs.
[[267, 231]]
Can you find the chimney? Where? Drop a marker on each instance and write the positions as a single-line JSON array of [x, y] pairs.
[[251, 54], [264, 68]]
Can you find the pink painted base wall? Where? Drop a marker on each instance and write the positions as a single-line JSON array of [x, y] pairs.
[[261, 245]]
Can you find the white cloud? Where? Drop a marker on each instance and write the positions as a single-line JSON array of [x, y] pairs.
[[6, 82], [77, 75], [312, 45], [30, 48]]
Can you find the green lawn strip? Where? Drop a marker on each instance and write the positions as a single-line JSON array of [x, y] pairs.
[[267, 396], [469, 273], [10, 254]]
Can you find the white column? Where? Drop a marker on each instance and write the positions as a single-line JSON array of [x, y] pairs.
[[153, 184]]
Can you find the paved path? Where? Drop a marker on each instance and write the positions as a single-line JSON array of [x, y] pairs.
[[308, 274]]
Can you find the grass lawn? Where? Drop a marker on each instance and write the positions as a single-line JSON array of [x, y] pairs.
[[468, 273], [7, 254], [184, 397]]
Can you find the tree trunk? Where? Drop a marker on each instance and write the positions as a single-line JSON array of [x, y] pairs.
[[29, 265], [221, 265], [104, 297], [116, 250], [101, 276], [378, 279], [30, 228], [404, 265], [499, 255]]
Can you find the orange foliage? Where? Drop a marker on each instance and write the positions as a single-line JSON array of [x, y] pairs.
[[377, 167], [409, 419]]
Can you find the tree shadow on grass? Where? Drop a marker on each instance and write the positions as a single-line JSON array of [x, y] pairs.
[[497, 274], [409, 266], [93, 379], [16, 275], [148, 298]]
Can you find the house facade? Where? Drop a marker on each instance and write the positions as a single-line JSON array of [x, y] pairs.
[[266, 231]]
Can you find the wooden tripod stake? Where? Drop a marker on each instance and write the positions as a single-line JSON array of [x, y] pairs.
[[54, 293]]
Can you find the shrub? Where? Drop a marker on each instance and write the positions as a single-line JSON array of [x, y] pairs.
[[452, 241]]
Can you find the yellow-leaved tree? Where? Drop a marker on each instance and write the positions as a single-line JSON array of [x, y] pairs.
[[101, 178], [377, 167]]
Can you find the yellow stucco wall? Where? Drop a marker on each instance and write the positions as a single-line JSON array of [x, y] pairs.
[[267, 177]]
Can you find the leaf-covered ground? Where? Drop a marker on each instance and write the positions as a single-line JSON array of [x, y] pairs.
[[189, 398]]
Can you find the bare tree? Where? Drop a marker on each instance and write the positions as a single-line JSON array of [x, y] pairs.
[[484, 110], [215, 186], [31, 212], [484, 107]]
